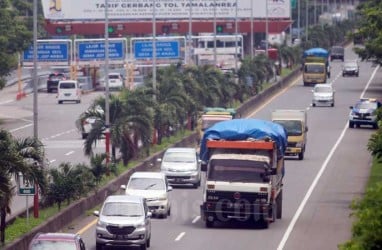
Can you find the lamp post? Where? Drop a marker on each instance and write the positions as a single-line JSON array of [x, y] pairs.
[[298, 20], [306, 19], [35, 110], [266, 28], [154, 53], [236, 43], [215, 57], [252, 42], [107, 107], [189, 33]]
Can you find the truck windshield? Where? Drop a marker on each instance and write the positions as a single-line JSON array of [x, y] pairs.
[[314, 68], [237, 171], [293, 128]]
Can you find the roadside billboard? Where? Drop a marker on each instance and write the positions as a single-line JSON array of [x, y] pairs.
[[71, 10]]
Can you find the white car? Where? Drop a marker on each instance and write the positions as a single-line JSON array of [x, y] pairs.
[[116, 81], [181, 165], [323, 94], [68, 91], [87, 124], [154, 187]]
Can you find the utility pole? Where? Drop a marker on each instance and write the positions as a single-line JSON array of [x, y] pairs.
[[35, 109], [252, 38], [189, 34], [266, 28], [236, 43], [107, 106], [215, 57], [154, 53]]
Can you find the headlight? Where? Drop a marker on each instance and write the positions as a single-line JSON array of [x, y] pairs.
[[162, 198], [140, 225], [195, 173], [299, 144], [101, 223]]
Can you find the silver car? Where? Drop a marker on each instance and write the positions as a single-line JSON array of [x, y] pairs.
[[124, 220], [181, 165], [323, 94]]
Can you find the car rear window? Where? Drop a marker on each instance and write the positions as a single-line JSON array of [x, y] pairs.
[[53, 244], [57, 76], [114, 76], [67, 85]]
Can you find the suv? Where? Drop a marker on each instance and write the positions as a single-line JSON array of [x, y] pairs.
[[123, 220], [350, 68], [337, 52], [154, 187], [364, 113], [56, 241], [181, 166], [53, 80]]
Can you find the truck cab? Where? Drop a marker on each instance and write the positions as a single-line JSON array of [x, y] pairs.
[[316, 66], [295, 124]]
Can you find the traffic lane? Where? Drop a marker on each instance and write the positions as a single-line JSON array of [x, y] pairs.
[[185, 211], [327, 212]]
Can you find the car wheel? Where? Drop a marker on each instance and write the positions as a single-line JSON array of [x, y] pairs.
[[343, 75], [143, 246], [164, 216], [169, 211], [84, 135], [99, 246], [375, 126], [351, 125], [332, 104], [148, 243], [313, 104], [59, 102]]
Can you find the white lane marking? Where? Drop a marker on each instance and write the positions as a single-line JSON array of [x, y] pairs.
[[69, 153], [196, 219], [19, 128], [180, 236], [51, 161], [7, 101], [318, 176], [59, 134]]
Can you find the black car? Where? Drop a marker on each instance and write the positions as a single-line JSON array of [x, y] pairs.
[[337, 52], [350, 68], [53, 79]]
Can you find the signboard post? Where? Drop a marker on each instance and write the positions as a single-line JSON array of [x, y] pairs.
[[49, 52], [25, 188]]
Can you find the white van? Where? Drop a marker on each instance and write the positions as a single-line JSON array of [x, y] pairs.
[[68, 90]]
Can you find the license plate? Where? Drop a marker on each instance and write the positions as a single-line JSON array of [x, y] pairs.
[[121, 237], [67, 94], [178, 180]]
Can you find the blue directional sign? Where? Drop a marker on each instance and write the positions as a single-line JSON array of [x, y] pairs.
[[49, 52], [95, 50], [164, 49]]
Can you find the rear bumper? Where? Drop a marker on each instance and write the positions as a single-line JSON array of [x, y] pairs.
[[292, 151]]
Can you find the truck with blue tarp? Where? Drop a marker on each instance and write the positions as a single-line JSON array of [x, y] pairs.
[[316, 67], [244, 164]]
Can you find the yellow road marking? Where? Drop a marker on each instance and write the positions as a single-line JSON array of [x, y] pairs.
[[85, 228]]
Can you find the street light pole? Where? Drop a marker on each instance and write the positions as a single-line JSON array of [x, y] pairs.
[[298, 19], [154, 53], [215, 57], [107, 107], [236, 43], [189, 34], [266, 28], [252, 42], [35, 109]]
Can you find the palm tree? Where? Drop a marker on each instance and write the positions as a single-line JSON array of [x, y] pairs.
[[25, 156]]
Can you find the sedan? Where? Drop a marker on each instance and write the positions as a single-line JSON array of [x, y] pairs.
[[323, 94], [350, 68]]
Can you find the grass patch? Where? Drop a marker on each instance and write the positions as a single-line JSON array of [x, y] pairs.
[[375, 173], [22, 226]]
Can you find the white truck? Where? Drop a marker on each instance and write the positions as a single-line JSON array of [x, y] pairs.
[[244, 162], [295, 123]]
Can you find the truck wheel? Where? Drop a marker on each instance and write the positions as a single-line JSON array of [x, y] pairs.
[[305, 84], [279, 205], [263, 223], [301, 155], [210, 224]]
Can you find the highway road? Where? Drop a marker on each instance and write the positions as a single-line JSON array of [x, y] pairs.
[[317, 190]]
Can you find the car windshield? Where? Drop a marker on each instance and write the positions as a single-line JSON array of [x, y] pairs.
[[146, 184], [323, 89], [130, 209], [53, 244], [293, 128], [366, 105], [237, 170], [56, 76], [314, 68], [337, 50], [350, 65], [179, 157]]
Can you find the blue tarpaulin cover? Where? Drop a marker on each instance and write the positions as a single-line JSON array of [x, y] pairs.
[[318, 52], [243, 129]]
